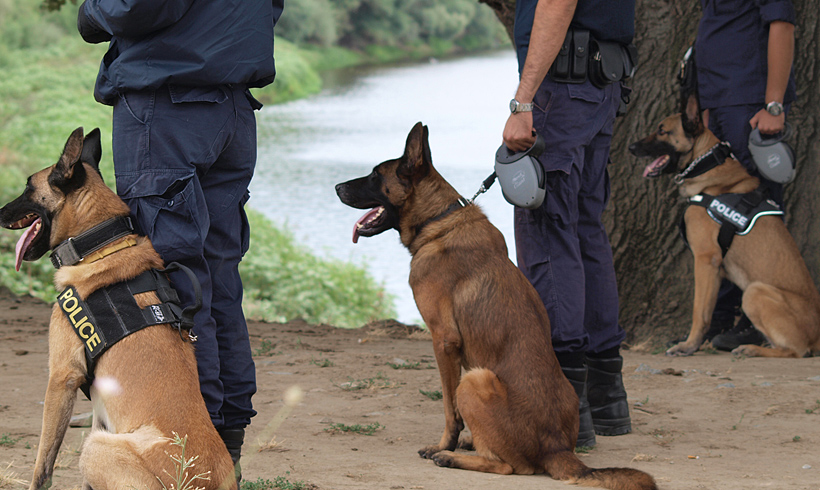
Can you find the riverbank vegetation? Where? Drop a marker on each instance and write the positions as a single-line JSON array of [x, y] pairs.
[[46, 91]]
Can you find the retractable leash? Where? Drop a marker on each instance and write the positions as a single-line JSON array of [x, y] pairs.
[[771, 154], [522, 179]]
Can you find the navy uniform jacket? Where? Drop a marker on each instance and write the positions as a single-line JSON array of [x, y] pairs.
[[607, 20], [731, 51], [182, 42]]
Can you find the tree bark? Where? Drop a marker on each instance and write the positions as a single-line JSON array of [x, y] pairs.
[[653, 265]]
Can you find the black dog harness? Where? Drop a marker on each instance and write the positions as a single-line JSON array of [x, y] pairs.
[[111, 313], [735, 213]]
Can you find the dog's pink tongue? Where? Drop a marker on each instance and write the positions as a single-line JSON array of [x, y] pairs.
[[24, 242], [652, 167], [364, 219]]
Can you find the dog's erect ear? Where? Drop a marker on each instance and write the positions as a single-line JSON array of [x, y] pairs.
[[69, 174], [71, 155], [417, 158], [691, 117], [92, 149]]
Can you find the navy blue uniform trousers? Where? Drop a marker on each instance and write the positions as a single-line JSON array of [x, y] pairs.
[[183, 159], [562, 247]]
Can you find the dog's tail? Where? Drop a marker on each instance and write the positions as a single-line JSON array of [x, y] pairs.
[[566, 466]]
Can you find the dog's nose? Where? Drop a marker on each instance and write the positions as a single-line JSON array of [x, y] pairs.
[[633, 148]]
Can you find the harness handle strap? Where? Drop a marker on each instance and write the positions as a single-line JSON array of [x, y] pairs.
[[187, 315]]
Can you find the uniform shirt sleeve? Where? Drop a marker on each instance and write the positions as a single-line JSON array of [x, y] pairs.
[[776, 10], [134, 18]]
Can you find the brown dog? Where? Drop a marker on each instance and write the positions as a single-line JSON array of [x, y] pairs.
[[485, 317], [779, 295], [146, 386]]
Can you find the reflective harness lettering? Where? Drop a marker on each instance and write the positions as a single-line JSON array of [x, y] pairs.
[[729, 213], [71, 305]]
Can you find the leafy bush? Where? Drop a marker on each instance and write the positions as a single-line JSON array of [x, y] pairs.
[[283, 280]]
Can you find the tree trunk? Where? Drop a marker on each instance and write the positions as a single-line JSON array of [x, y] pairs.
[[653, 265]]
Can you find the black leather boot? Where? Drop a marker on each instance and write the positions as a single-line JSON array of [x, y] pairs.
[[607, 396], [233, 439], [578, 378]]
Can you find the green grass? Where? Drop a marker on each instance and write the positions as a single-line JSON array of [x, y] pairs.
[[378, 382], [278, 483], [7, 441], [322, 363], [406, 365], [365, 430], [433, 395]]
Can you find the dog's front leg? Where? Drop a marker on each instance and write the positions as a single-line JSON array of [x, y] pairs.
[[59, 403], [447, 348], [707, 283]]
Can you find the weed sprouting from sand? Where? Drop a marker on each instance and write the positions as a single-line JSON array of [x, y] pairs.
[[433, 395], [378, 382], [405, 365], [182, 480], [365, 430], [734, 427], [266, 348], [7, 441], [322, 363], [278, 483]]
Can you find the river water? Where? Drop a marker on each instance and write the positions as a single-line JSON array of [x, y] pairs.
[[362, 118]]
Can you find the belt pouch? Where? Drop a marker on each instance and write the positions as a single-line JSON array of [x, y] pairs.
[[570, 66], [580, 45], [611, 62], [559, 71]]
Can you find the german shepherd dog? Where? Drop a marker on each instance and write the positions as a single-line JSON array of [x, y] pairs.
[[146, 386], [779, 296], [485, 317]]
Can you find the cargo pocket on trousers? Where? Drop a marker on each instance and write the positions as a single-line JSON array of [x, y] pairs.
[[171, 213], [557, 203]]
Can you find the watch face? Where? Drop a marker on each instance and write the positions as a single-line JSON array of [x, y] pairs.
[[774, 108], [513, 105]]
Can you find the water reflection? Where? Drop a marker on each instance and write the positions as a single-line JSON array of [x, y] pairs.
[[363, 118]]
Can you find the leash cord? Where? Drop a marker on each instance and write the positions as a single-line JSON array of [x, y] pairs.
[[485, 186]]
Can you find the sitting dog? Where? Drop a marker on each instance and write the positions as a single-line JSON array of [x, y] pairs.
[[484, 316], [757, 253], [146, 388]]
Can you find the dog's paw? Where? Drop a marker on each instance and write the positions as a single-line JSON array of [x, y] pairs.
[[682, 349], [429, 451], [746, 350], [445, 459]]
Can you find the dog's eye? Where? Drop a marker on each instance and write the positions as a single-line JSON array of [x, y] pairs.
[[661, 132]]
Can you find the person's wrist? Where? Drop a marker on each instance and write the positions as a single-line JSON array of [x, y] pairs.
[[774, 108], [517, 106]]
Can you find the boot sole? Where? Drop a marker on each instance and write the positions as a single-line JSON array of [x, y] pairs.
[[617, 427]]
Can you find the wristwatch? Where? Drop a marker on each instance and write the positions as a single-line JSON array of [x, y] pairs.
[[516, 107], [774, 108]]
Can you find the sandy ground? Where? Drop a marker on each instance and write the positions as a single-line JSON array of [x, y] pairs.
[[708, 421]]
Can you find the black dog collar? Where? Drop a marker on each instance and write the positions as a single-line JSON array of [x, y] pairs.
[[706, 162], [460, 203], [74, 249]]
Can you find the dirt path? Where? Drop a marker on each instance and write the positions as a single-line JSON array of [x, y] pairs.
[[707, 421]]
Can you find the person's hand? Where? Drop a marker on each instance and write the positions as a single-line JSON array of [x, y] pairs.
[[518, 134], [766, 123]]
